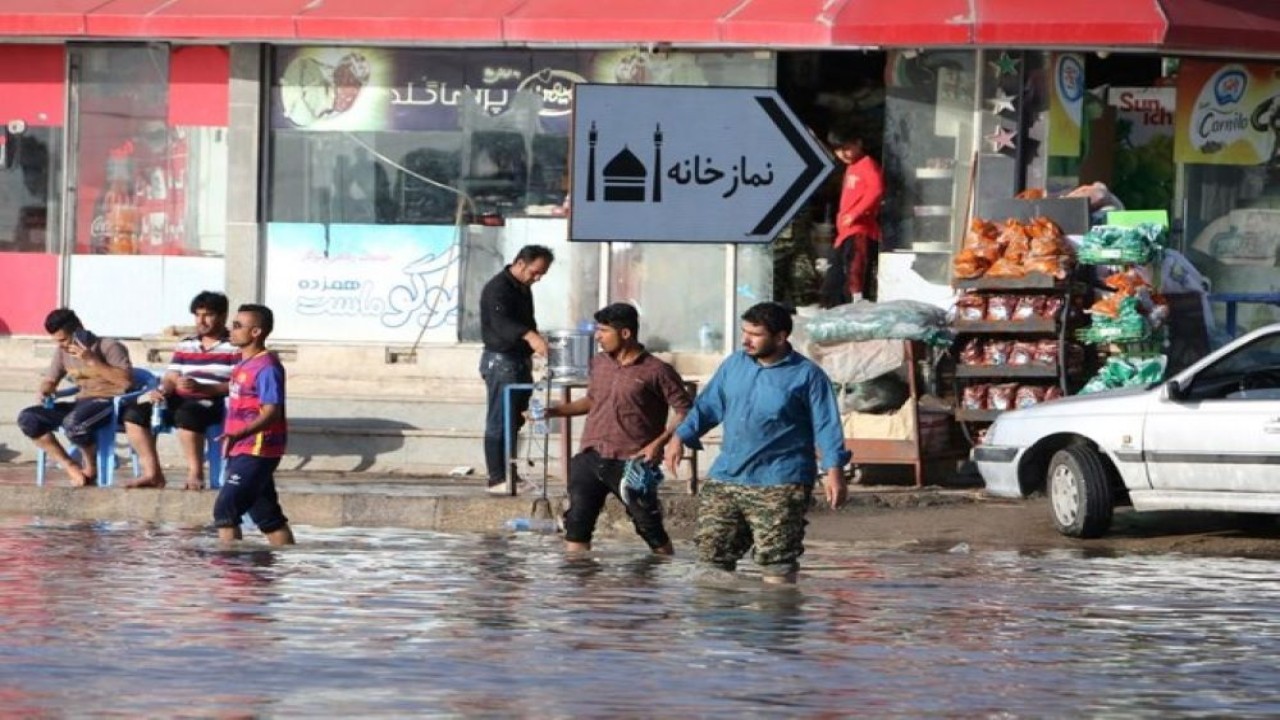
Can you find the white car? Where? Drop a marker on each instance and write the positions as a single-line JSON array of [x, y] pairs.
[[1207, 439]]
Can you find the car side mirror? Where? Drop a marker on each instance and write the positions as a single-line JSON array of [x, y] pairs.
[[1174, 390]]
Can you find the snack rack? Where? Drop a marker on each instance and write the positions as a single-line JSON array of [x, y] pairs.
[[1026, 356]]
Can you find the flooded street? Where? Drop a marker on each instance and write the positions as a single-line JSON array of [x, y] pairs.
[[139, 620]]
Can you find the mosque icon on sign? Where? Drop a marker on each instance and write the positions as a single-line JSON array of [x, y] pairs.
[[625, 176]]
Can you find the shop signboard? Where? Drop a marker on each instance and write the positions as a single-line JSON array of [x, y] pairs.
[[1228, 113], [370, 283], [1143, 169], [1066, 105], [688, 164], [373, 89]]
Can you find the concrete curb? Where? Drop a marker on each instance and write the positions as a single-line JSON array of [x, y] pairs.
[[362, 508]]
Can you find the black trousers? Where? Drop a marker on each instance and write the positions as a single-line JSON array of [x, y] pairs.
[[500, 370], [592, 479]]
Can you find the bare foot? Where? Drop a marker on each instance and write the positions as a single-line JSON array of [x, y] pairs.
[[81, 478], [194, 483], [146, 482]]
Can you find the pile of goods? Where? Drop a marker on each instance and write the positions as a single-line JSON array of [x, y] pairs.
[[1014, 250], [994, 352], [1120, 371], [1007, 396], [1111, 245], [973, 307], [1128, 313]]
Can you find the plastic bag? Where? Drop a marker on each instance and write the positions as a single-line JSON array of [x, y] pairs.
[[1121, 371], [895, 319], [879, 395]]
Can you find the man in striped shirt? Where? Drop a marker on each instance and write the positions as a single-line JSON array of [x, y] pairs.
[[193, 390]]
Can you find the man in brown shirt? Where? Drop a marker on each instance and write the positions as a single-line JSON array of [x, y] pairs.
[[100, 367], [627, 402]]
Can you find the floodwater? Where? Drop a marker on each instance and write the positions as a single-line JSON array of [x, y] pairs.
[[132, 620]]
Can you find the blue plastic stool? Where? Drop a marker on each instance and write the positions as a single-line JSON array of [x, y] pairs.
[[105, 436]]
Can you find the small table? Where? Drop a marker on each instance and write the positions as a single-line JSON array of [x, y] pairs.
[[1234, 299]]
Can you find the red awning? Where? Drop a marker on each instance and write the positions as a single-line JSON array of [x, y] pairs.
[[1018, 23], [618, 21], [406, 20], [1223, 26], [224, 19], [786, 23], [1251, 26], [903, 23], [48, 18]]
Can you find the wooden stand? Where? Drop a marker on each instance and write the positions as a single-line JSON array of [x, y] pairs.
[[910, 451]]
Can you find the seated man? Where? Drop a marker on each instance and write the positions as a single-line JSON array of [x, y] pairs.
[[101, 369], [627, 401], [193, 390]]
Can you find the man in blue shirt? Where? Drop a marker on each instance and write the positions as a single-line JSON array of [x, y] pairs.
[[776, 406]]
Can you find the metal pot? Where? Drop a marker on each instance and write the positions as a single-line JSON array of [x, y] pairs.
[[569, 354]]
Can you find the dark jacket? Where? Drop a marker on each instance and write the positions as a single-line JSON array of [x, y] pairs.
[[506, 314]]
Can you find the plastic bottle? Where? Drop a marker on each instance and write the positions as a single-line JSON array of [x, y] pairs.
[[157, 415], [538, 413], [537, 525]]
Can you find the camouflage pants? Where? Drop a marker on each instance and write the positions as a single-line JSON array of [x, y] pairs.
[[732, 518]]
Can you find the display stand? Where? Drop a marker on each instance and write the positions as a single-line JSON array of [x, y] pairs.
[[1055, 328], [923, 441]]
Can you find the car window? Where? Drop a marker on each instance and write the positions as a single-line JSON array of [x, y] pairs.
[[1251, 372]]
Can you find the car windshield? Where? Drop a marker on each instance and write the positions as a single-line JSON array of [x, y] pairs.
[[1255, 366]]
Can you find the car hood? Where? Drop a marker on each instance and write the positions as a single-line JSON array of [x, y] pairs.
[[1083, 414], [1107, 401]]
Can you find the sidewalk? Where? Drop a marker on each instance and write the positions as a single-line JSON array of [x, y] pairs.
[[443, 504]]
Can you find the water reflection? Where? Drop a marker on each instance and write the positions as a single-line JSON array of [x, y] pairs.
[[156, 621]]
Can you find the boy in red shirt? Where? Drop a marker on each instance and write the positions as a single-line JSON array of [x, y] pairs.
[[857, 244], [255, 433]]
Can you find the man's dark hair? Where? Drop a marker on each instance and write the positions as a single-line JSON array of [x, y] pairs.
[[620, 316], [214, 302], [262, 315], [773, 316], [531, 253], [62, 319]]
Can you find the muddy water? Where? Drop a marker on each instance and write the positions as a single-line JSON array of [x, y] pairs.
[[132, 620]]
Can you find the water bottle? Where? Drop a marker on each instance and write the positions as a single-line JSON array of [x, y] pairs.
[[538, 413], [536, 525], [157, 415]]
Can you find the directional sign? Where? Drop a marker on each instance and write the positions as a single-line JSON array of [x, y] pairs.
[[688, 164]]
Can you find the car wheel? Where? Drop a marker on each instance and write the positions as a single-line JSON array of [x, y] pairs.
[[1079, 492]]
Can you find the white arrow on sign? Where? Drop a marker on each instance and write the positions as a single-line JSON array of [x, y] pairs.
[[688, 164]]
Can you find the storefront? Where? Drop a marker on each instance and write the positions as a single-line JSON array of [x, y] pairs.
[[365, 188], [114, 183]]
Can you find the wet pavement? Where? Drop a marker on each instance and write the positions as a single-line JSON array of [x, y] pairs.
[[143, 620]]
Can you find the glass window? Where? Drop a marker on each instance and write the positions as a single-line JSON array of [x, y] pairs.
[[134, 169], [30, 191], [928, 150], [679, 290], [363, 137]]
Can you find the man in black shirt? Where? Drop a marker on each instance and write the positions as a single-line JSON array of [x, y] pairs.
[[511, 338]]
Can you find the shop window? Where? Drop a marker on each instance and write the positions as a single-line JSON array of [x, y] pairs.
[[688, 319], [30, 192], [136, 168]]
